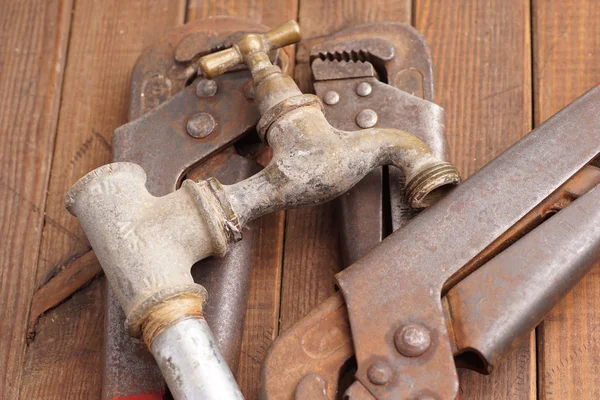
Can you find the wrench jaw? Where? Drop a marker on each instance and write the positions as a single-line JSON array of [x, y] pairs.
[[384, 69], [319, 345]]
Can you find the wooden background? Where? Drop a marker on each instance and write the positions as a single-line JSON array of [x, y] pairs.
[[501, 68]]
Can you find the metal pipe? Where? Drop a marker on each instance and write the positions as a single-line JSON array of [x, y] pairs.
[[191, 363]]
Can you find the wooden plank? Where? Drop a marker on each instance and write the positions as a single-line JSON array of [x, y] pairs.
[[266, 12], [262, 313], [566, 55], [106, 39], [311, 252], [67, 363], [73, 277], [32, 58], [318, 18], [482, 69]]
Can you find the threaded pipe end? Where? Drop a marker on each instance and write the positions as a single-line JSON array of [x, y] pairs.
[[429, 185]]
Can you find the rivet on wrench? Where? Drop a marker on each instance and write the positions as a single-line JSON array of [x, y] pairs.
[[364, 89], [379, 373], [366, 118], [412, 340], [201, 125], [331, 98], [206, 88]]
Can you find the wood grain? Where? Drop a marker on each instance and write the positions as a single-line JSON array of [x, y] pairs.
[[311, 252], [106, 39], [266, 12], [482, 65], [482, 69], [566, 55], [64, 362], [318, 18], [262, 314], [71, 278], [32, 58]]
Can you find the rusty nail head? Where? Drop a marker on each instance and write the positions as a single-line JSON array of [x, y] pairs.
[[379, 373], [364, 89], [366, 118], [331, 98], [412, 340], [206, 88], [201, 125]]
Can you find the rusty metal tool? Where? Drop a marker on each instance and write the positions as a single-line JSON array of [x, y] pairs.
[[146, 244], [170, 102], [379, 74], [462, 282]]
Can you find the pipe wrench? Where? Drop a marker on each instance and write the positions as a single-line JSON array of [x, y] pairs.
[[462, 282]]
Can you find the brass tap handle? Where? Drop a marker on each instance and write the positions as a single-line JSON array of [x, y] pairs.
[[251, 49]]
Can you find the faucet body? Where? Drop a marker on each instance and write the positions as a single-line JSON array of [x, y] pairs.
[[313, 162], [147, 245]]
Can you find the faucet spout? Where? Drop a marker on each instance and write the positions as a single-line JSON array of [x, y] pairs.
[[314, 162]]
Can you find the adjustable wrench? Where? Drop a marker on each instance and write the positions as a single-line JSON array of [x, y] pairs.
[[463, 281]]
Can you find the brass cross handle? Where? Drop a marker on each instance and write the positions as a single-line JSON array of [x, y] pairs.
[[251, 49]]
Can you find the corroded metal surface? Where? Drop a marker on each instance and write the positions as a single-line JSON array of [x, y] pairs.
[[440, 241], [481, 218], [158, 77], [330, 319], [408, 67]]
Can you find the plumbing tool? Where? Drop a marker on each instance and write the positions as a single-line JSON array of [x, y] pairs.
[[462, 282], [146, 244]]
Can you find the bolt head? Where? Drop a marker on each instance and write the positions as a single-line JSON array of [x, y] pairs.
[[366, 118], [206, 88], [201, 125], [379, 373], [331, 98], [364, 89], [412, 340]]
